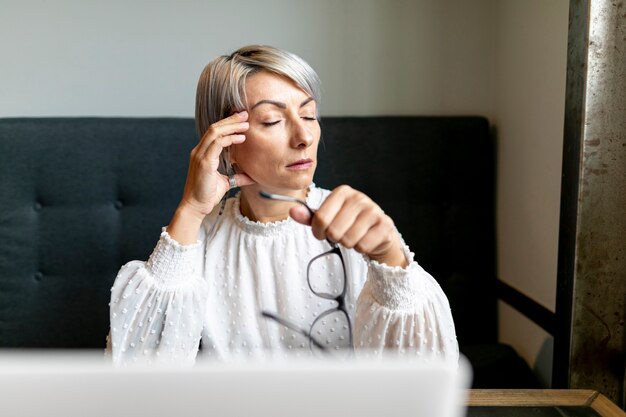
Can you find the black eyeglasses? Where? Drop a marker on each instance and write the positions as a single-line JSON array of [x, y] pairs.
[[328, 282]]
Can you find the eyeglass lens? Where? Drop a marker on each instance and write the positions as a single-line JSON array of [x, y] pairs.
[[326, 278]]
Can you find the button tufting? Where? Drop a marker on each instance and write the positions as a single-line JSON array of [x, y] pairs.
[[38, 206], [118, 204], [38, 275]]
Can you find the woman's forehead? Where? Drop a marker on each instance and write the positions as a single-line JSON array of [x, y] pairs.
[[268, 86]]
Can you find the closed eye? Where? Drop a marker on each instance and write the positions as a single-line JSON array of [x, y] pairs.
[[270, 123], [309, 118]]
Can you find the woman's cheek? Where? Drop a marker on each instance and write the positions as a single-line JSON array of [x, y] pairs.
[[241, 151]]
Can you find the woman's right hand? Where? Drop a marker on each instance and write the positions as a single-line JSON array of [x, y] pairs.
[[205, 186]]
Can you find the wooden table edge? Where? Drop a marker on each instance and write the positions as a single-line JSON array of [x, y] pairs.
[[537, 398], [606, 407], [529, 397]]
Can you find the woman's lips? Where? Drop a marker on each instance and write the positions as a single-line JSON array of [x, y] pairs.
[[300, 165]]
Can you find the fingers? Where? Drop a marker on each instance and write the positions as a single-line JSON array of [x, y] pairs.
[[357, 215], [339, 213], [378, 239], [242, 180], [328, 211], [233, 125], [217, 146], [300, 214], [352, 219], [344, 217], [354, 234]]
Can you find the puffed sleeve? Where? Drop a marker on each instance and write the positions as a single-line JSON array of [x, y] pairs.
[[404, 310], [157, 307]]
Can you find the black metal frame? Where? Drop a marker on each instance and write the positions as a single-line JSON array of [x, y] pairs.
[[572, 144]]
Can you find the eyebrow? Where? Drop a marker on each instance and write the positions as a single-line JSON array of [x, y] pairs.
[[280, 104]]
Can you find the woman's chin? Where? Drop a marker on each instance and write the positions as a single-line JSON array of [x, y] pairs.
[[288, 185]]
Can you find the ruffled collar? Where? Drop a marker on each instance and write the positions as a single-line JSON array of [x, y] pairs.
[[313, 200]]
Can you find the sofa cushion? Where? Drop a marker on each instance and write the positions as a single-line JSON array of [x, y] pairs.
[[79, 197]]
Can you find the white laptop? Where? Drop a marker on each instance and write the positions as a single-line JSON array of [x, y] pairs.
[[71, 385]]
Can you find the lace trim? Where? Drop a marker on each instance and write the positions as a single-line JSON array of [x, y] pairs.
[[270, 228]]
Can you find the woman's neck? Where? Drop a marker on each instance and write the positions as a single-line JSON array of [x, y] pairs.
[[259, 209]]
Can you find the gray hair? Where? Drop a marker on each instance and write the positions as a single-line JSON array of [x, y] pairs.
[[222, 84]]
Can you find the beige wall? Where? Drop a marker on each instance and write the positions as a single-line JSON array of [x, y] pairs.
[[504, 59], [531, 58], [143, 57]]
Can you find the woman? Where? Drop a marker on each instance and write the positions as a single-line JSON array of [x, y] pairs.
[[234, 275]]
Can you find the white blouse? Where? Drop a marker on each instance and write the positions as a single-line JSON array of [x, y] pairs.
[[214, 290]]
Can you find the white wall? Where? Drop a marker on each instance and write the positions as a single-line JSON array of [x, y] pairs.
[[531, 59], [143, 57], [504, 59]]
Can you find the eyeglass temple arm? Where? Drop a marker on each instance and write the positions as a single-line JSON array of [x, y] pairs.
[[280, 197], [286, 198], [293, 327]]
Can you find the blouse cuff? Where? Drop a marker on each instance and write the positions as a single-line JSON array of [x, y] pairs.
[[395, 287], [171, 261]]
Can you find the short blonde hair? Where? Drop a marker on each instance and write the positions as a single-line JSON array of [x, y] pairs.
[[222, 84]]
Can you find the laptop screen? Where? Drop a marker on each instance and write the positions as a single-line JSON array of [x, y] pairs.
[[72, 385]]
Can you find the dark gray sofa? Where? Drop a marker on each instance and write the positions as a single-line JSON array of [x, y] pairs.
[[79, 197]]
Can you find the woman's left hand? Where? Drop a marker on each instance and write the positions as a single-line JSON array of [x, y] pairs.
[[352, 219]]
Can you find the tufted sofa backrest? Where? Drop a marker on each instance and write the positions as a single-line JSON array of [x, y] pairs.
[[79, 197]]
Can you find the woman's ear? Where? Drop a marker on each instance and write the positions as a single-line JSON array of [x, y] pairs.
[[231, 155], [231, 160]]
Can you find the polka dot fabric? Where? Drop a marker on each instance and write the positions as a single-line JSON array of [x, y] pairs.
[[212, 293]]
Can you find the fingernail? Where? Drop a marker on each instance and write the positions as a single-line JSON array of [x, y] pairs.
[[243, 113]]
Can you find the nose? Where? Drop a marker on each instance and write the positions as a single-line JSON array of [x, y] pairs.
[[301, 135]]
